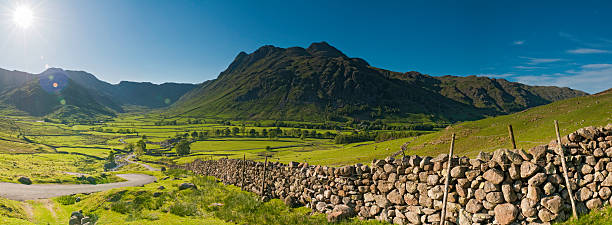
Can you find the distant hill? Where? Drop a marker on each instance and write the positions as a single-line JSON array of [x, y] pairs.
[[84, 96], [54, 93], [322, 83]]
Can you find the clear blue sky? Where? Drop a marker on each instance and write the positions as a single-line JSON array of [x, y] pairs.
[[542, 43]]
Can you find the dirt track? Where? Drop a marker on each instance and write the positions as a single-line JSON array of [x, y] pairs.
[[23, 192]]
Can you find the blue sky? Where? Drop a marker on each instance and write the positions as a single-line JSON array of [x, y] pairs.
[[535, 42]]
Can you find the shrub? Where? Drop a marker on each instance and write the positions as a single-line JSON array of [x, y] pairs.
[[120, 207], [184, 209], [67, 200], [183, 148]]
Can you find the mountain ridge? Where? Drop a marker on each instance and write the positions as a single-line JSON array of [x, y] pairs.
[[103, 95], [296, 84]]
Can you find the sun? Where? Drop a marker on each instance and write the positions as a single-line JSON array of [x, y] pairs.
[[23, 16]]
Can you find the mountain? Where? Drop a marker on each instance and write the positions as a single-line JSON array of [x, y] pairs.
[[84, 96], [322, 83], [133, 93], [12, 79], [52, 92]]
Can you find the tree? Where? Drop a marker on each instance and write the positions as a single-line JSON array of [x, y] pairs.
[[264, 132], [183, 148], [252, 133], [129, 147], [235, 131], [194, 135], [141, 147], [273, 135]]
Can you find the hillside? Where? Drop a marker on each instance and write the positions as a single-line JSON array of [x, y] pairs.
[[84, 96], [12, 79], [133, 93], [54, 93], [531, 127], [321, 83]]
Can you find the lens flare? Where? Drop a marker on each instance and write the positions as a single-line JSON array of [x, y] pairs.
[[23, 16]]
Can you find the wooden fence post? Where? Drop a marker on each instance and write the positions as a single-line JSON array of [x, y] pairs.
[[448, 169], [511, 132], [567, 182], [263, 179], [244, 164]]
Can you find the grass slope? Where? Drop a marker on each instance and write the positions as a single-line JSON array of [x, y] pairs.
[[600, 217], [531, 127], [137, 205]]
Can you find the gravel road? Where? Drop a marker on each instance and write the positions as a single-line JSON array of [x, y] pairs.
[[23, 192]]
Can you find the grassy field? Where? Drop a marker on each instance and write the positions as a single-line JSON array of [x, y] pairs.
[[32, 148], [50, 168], [137, 205], [531, 127], [600, 217]]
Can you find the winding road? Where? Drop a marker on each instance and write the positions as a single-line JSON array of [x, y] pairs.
[[150, 168], [22, 192]]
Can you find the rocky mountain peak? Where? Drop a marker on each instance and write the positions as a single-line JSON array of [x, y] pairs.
[[324, 49]]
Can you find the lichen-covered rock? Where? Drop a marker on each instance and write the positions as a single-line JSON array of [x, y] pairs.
[[494, 176], [495, 197], [473, 206], [340, 212], [528, 207], [552, 203], [184, 186], [584, 194], [25, 180], [593, 203], [505, 213], [395, 197], [528, 169], [546, 216]]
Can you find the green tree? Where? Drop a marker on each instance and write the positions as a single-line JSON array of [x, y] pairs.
[[252, 133], [235, 131], [194, 135], [141, 147], [273, 135], [264, 132], [129, 147], [183, 148]]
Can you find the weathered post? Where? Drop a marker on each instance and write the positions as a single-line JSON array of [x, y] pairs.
[[448, 169], [263, 179], [511, 133], [244, 164], [567, 182]]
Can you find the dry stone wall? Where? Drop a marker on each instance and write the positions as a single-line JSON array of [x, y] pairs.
[[508, 186]]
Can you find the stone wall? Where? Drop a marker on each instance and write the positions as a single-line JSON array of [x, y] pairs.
[[508, 186]]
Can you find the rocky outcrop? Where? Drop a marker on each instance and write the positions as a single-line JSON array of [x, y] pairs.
[[508, 186], [25, 180], [77, 218]]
